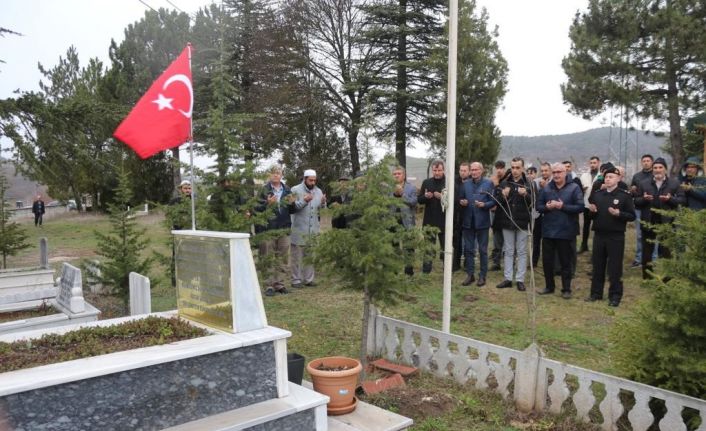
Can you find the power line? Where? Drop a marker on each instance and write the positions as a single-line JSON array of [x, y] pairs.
[[144, 3]]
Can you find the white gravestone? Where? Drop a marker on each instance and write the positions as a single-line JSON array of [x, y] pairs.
[[140, 299], [71, 289]]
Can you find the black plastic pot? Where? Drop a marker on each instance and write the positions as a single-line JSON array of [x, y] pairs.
[[295, 367]]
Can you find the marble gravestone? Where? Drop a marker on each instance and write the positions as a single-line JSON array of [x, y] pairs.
[[71, 289], [216, 280]]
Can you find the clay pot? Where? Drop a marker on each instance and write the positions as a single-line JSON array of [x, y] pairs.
[[338, 385]]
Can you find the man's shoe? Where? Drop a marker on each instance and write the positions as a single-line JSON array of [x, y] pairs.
[[593, 299], [310, 284], [521, 286], [613, 303], [635, 265], [481, 282], [269, 292], [469, 279], [495, 267], [297, 285], [546, 292], [504, 284], [566, 295]]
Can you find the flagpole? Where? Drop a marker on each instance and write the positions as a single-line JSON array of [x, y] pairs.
[[191, 153], [450, 163]]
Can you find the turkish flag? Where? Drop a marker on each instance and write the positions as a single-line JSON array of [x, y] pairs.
[[162, 117]]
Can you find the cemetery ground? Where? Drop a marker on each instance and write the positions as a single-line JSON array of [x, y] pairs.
[[325, 321]]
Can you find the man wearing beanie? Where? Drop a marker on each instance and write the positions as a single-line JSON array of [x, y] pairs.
[[307, 200], [658, 192], [612, 209]]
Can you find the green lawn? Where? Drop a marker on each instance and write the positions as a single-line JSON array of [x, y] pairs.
[[325, 320]]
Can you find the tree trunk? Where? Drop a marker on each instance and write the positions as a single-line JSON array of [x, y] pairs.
[[176, 171], [401, 94], [675, 136], [353, 140], [364, 334]]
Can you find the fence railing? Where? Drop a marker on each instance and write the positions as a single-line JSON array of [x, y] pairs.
[[535, 382]]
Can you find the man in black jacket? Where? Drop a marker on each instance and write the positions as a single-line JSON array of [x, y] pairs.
[[38, 210], [430, 196], [516, 197], [658, 192], [612, 209], [275, 247], [644, 174]]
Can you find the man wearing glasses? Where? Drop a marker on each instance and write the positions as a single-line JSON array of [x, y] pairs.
[[560, 202]]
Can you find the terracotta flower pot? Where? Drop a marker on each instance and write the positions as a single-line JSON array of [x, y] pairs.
[[338, 385]]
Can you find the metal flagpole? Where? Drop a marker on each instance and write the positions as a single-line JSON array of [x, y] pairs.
[[450, 163], [191, 151]]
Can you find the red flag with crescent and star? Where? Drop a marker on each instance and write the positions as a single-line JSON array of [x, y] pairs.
[[161, 119]]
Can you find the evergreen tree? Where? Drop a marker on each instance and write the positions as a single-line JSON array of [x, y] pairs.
[[646, 56], [481, 84], [370, 255], [407, 32], [12, 237], [673, 320], [123, 246]]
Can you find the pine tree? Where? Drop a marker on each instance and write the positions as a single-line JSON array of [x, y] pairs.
[[122, 247], [673, 320], [481, 85], [369, 255], [407, 32], [12, 237]]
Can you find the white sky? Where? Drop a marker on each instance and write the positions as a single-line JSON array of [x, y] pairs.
[[533, 39]]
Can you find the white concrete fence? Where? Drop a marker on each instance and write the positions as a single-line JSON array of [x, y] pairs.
[[535, 383]]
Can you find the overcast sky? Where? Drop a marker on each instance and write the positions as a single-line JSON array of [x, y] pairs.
[[533, 39]]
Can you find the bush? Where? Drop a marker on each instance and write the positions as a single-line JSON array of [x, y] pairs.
[[664, 342]]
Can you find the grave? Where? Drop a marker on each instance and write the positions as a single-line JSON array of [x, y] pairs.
[[237, 373], [68, 301]]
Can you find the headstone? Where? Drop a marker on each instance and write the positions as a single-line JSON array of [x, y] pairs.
[[43, 253], [140, 297], [216, 280], [71, 289]]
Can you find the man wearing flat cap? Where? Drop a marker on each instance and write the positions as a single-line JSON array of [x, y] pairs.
[[307, 200], [693, 183], [657, 192], [612, 209]]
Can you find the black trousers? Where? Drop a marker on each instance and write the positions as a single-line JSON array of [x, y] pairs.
[[426, 265], [37, 219], [587, 218], [536, 240], [608, 252], [562, 249], [648, 246], [457, 246]]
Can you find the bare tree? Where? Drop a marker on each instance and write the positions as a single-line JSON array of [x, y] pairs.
[[330, 32]]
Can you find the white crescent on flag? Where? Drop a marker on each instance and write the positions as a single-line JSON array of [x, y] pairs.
[[186, 81]]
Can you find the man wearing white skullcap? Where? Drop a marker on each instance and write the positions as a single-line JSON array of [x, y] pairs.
[[308, 199]]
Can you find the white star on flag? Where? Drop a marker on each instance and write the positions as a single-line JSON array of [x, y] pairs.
[[163, 102]]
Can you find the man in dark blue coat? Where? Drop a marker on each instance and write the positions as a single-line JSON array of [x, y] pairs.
[[476, 199], [561, 202]]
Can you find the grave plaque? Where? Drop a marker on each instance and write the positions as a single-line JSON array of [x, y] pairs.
[[216, 280]]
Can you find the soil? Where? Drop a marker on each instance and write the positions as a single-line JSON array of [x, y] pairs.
[[323, 367], [417, 403], [433, 315], [42, 310]]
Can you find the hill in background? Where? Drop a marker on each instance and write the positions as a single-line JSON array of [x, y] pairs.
[[21, 188], [577, 147]]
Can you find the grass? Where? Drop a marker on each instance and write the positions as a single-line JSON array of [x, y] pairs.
[[325, 320]]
